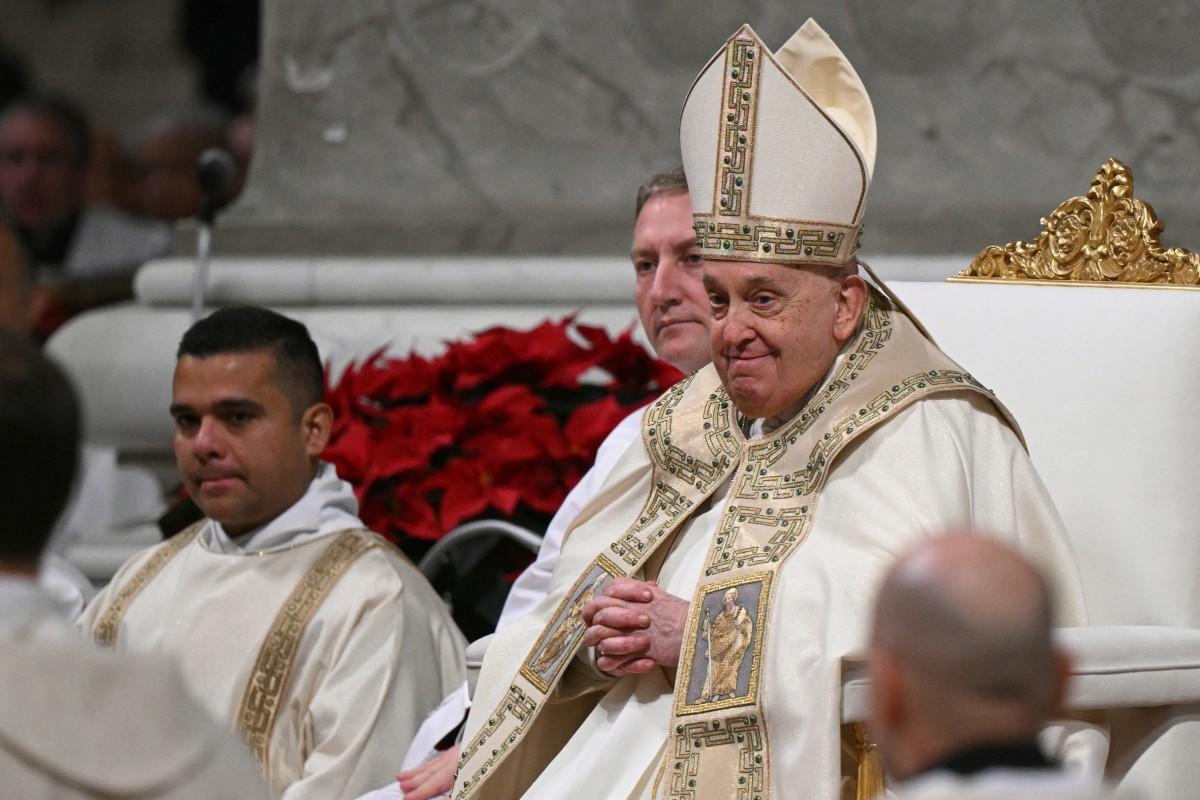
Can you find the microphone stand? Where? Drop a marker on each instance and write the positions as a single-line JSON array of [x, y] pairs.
[[203, 250], [214, 171]]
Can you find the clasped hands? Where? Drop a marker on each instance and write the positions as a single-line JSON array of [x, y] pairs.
[[635, 626]]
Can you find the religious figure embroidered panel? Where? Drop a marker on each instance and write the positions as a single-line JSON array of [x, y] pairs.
[[557, 646], [722, 658]]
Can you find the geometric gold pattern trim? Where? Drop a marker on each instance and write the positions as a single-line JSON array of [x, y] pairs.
[[1107, 236], [730, 232], [267, 682], [522, 708], [110, 624], [691, 739]]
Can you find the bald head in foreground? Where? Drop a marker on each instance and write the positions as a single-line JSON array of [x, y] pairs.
[[964, 673]]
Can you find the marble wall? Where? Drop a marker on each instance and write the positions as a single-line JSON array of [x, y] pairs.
[[524, 126]]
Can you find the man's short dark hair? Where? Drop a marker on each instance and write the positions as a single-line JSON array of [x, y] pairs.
[[64, 112], [39, 447], [242, 329], [668, 182]]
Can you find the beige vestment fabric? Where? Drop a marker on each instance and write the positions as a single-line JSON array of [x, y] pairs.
[[379, 653], [77, 722], [948, 459]]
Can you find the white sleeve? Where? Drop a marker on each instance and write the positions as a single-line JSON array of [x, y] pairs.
[[534, 582]]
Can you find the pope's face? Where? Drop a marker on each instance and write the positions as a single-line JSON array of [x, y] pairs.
[[777, 329], [245, 455], [40, 182], [670, 297]]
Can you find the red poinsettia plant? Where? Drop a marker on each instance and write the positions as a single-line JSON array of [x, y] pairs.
[[500, 425]]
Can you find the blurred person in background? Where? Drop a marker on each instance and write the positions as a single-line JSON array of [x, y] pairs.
[[167, 154], [85, 253]]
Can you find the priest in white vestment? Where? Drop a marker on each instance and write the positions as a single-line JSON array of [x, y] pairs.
[[828, 435], [76, 722], [313, 637]]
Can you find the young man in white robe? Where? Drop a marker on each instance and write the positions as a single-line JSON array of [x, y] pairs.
[[76, 722], [964, 675], [313, 637], [828, 435]]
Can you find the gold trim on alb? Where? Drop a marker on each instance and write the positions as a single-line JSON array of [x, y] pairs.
[[110, 624], [273, 666]]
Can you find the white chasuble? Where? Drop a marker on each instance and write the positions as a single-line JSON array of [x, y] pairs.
[[359, 643], [79, 723], [804, 587]]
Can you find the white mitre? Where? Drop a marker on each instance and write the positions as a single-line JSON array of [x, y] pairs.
[[778, 149]]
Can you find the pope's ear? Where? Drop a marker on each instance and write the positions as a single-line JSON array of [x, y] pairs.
[[851, 299], [316, 425]]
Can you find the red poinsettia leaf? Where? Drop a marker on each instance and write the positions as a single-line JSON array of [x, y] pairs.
[[665, 376], [414, 514], [589, 424], [505, 499], [540, 485], [511, 401], [462, 500], [595, 336], [350, 453]]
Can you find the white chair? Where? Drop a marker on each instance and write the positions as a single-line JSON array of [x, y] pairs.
[[1103, 380]]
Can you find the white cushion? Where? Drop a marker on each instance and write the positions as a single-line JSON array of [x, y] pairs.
[[1123, 666]]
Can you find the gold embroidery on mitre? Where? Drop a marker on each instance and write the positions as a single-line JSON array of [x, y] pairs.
[[1107, 236], [729, 231], [109, 624], [277, 654]]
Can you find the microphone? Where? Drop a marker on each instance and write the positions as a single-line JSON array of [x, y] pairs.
[[215, 171]]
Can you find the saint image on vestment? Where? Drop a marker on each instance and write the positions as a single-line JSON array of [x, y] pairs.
[[565, 629], [729, 635]]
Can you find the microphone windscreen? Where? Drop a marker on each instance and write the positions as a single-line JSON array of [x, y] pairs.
[[215, 170]]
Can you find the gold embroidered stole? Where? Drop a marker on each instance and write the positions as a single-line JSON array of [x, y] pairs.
[[273, 666], [109, 625], [717, 742]]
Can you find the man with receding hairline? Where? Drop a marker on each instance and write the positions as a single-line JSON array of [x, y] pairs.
[[964, 674], [313, 637]]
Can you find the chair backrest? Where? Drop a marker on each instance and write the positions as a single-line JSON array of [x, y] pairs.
[[473, 567], [1103, 381]]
